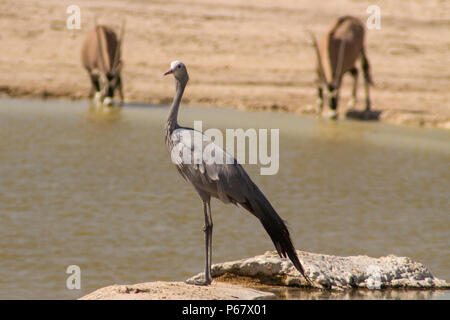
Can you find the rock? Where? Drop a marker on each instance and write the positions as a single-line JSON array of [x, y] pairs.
[[325, 271], [162, 290], [332, 272]]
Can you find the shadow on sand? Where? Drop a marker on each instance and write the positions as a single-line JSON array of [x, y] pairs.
[[371, 115]]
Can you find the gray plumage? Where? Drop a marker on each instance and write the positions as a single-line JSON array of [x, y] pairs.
[[228, 181]]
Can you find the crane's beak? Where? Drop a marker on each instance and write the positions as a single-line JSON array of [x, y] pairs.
[[168, 72]]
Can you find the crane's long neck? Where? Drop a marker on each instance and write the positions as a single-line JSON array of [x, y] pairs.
[[172, 122]]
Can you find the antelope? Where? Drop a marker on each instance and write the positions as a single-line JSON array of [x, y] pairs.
[[337, 53], [101, 57]]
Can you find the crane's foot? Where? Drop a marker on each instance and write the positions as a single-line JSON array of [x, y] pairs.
[[202, 282]]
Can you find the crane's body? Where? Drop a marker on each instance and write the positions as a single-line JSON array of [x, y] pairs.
[[225, 180]]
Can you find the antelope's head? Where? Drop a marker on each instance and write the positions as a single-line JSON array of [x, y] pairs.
[[110, 80], [331, 87], [332, 96]]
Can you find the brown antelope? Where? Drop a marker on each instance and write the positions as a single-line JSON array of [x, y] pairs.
[[337, 53], [101, 57]]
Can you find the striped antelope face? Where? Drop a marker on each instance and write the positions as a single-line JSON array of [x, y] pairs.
[[109, 82], [332, 96]]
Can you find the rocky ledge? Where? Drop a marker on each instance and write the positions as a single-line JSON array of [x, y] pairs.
[[332, 272], [235, 279]]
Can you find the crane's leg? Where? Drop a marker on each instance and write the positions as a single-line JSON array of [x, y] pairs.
[[208, 245]]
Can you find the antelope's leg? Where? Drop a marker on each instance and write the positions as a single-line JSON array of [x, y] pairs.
[[120, 91], [95, 85], [320, 98], [354, 73], [366, 88], [365, 67]]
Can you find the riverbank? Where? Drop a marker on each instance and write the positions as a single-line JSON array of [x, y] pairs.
[[238, 56]]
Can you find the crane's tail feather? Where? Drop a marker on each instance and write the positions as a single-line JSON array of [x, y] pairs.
[[260, 207]]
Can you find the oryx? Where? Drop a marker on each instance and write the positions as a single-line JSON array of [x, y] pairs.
[[337, 53], [101, 57]]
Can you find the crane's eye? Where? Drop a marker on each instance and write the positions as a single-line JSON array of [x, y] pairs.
[[179, 66]]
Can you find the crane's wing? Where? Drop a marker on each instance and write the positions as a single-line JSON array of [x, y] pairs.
[[212, 170]]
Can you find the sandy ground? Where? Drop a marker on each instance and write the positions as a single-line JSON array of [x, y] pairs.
[[162, 290], [251, 54]]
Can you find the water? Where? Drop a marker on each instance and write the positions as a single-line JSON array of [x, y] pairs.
[[99, 191]]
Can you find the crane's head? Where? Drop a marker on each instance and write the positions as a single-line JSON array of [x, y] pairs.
[[179, 71]]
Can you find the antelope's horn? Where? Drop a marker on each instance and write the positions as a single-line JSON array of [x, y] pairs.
[[319, 59], [100, 46], [118, 53]]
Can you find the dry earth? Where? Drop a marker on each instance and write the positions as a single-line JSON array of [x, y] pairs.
[[250, 54], [161, 290]]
